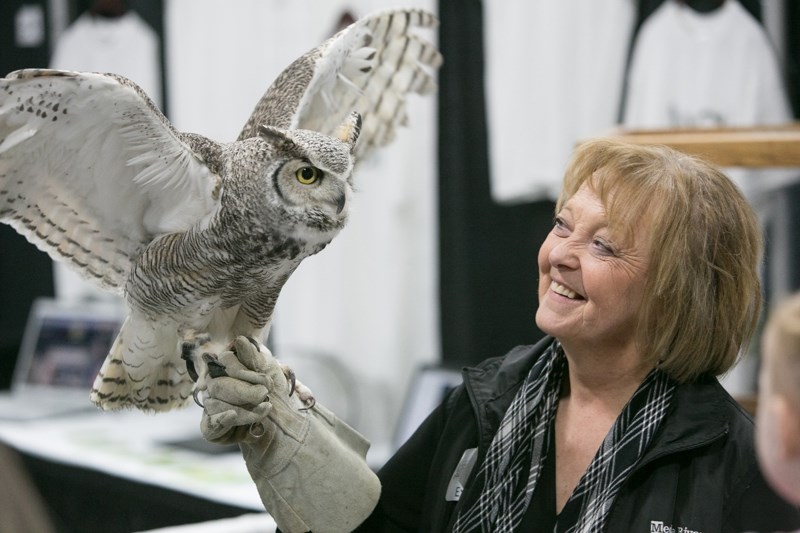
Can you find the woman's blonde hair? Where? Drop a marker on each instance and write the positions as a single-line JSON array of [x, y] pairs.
[[702, 296]]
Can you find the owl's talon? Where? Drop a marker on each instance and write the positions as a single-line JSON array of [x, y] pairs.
[[186, 354], [296, 386], [191, 370], [192, 342], [215, 368], [196, 398], [291, 378], [254, 343], [311, 402], [305, 395]]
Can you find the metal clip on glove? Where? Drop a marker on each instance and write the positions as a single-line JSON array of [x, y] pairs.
[[307, 464]]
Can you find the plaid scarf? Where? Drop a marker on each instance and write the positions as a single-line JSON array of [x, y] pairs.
[[515, 456]]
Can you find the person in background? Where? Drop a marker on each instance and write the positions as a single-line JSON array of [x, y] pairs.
[[615, 421], [778, 417]]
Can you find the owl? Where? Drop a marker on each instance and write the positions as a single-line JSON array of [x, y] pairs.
[[200, 236]]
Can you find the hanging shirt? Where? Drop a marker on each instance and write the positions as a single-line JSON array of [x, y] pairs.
[[125, 45], [692, 69], [554, 75]]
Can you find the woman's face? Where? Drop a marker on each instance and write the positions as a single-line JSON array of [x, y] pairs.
[[590, 281]]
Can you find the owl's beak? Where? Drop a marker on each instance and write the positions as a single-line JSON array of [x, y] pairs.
[[340, 203]]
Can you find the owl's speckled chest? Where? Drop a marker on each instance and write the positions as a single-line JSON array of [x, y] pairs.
[[197, 272]]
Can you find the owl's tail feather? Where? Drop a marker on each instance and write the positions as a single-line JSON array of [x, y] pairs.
[[143, 371]]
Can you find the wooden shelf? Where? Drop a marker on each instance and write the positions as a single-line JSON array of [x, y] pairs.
[[773, 146]]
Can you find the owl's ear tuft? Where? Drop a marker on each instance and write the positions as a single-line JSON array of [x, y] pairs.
[[349, 130], [276, 135]]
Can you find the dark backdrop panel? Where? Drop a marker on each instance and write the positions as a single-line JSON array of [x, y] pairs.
[[488, 270], [792, 67], [25, 272]]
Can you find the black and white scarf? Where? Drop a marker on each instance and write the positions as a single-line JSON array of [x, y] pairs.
[[515, 456]]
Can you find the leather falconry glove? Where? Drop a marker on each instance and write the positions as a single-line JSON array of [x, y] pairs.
[[308, 466]]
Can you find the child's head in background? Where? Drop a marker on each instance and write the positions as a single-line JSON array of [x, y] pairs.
[[778, 418]]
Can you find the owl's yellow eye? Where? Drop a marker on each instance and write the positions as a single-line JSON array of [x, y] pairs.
[[308, 175]]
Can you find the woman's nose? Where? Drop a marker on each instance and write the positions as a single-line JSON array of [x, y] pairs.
[[564, 254]]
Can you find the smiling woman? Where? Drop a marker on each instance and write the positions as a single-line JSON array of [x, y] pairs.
[[648, 290], [630, 280]]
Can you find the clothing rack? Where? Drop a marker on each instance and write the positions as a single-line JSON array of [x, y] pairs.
[[758, 147]]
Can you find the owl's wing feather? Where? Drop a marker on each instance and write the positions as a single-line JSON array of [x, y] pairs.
[[91, 171], [369, 67]]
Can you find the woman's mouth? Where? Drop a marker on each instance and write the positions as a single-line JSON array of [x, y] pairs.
[[564, 291]]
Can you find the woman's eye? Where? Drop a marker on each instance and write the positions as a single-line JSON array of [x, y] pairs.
[[559, 226], [308, 175], [604, 247]]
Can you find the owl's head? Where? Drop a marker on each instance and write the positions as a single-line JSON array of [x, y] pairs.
[[309, 177]]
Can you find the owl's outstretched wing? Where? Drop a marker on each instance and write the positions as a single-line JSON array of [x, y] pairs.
[[369, 67], [91, 171]]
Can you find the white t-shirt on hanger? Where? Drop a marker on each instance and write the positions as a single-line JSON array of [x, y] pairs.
[[127, 46], [692, 69], [554, 75]]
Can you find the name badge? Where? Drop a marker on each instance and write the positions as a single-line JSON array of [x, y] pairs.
[[460, 475]]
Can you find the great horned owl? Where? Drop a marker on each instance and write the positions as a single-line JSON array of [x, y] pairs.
[[199, 236]]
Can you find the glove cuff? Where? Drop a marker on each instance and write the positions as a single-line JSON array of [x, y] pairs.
[[314, 476]]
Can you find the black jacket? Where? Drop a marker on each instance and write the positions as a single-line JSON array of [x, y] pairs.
[[700, 473]]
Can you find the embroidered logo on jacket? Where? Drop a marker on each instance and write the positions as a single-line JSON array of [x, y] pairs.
[[657, 526]]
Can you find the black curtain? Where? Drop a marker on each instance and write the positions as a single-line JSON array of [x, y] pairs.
[[792, 69], [488, 270], [25, 272]]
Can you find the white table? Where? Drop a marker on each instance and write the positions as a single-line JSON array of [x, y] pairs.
[[137, 446]]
